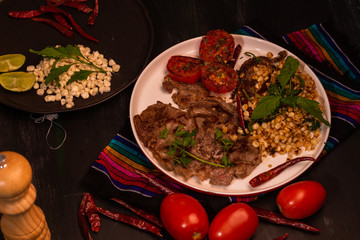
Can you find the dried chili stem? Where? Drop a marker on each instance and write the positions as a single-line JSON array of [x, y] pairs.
[[270, 174]]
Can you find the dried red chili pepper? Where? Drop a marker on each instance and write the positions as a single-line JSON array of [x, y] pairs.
[[270, 174], [94, 14], [80, 31], [62, 21], [264, 87], [131, 220], [82, 219], [90, 211], [235, 55], [53, 9], [240, 111], [66, 32], [25, 14], [162, 188], [149, 217], [78, 6], [279, 219], [60, 2], [283, 237]]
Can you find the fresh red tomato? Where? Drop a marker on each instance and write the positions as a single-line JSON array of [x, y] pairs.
[[219, 78], [217, 45], [301, 199], [184, 217], [184, 69], [237, 221]]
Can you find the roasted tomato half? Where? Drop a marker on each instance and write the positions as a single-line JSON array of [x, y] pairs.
[[219, 78], [217, 45], [184, 69], [301, 199], [237, 221], [184, 217]]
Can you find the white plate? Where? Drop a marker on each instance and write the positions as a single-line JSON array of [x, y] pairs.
[[148, 90]]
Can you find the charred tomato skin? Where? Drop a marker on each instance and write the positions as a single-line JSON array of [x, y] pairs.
[[301, 199], [219, 78], [184, 69], [237, 221], [184, 217], [217, 45]]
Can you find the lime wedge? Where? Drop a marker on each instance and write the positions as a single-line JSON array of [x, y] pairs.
[[17, 81], [11, 62]]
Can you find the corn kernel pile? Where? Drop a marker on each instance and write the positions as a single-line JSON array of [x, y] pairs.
[[289, 132], [65, 93]]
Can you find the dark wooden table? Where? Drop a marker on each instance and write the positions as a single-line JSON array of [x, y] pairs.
[[57, 174]]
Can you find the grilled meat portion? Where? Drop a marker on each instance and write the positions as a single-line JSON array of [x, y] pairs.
[[197, 109]]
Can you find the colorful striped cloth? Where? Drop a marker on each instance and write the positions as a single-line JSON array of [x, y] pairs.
[[119, 159]]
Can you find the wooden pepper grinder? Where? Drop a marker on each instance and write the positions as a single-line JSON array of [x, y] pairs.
[[21, 220]]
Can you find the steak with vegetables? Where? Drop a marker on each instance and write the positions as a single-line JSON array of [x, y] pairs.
[[199, 138]]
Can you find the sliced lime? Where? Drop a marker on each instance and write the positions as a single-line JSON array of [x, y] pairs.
[[11, 62], [17, 81]]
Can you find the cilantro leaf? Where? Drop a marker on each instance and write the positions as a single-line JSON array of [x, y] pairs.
[[59, 52], [55, 73], [68, 52], [182, 141], [164, 133], [80, 75]]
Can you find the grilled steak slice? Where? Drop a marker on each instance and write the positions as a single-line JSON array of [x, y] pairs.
[[153, 120], [206, 113]]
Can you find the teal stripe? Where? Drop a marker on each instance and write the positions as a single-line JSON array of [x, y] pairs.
[[242, 32], [336, 89], [131, 156], [354, 73], [130, 149], [333, 54], [329, 146]]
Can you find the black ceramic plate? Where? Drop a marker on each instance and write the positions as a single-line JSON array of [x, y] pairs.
[[123, 28]]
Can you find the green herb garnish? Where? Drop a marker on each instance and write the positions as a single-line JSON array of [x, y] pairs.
[[249, 54], [68, 52], [282, 93], [179, 145], [224, 143], [289, 69]]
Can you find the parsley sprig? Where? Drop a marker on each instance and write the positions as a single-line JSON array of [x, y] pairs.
[[68, 52], [225, 144], [282, 93], [180, 144]]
